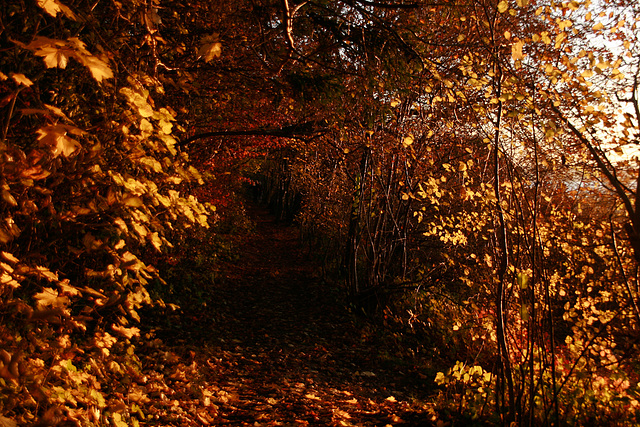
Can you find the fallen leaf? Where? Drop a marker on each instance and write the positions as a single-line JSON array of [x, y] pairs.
[[126, 332], [50, 298]]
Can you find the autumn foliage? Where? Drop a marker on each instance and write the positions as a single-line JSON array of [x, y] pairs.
[[467, 173]]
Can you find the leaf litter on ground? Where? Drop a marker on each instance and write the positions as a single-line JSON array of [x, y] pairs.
[[270, 345]]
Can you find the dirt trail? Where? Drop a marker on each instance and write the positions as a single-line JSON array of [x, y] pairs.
[[275, 347]]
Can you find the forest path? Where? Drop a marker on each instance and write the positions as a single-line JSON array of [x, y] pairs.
[[275, 347]]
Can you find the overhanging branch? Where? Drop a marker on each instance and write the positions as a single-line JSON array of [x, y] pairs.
[[297, 131]]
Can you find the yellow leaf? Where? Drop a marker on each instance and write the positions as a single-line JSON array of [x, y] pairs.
[[8, 280], [503, 6], [67, 289], [587, 73], [133, 201], [126, 332], [545, 37], [165, 126], [8, 197], [145, 125], [407, 141], [598, 26], [49, 298], [99, 69], [522, 3], [56, 137], [565, 24], [516, 50], [53, 7], [54, 57], [9, 257], [156, 241], [21, 79], [56, 53]]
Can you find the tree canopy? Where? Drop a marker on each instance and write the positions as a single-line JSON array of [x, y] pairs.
[[469, 168]]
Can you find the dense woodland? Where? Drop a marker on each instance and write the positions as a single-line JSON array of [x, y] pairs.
[[463, 172]]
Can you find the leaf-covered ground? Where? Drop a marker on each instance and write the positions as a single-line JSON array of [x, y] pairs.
[[270, 344]]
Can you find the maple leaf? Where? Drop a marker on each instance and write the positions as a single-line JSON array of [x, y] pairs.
[[126, 332], [99, 69], [56, 136], [46, 273], [104, 340], [67, 288], [55, 53], [53, 7], [50, 298]]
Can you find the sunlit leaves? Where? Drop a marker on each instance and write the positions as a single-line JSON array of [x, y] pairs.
[[57, 138], [407, 141], [50, 298], [138, 98], [126, 332], [53, 7], [21, 79], [56, 53], [516, 50]]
